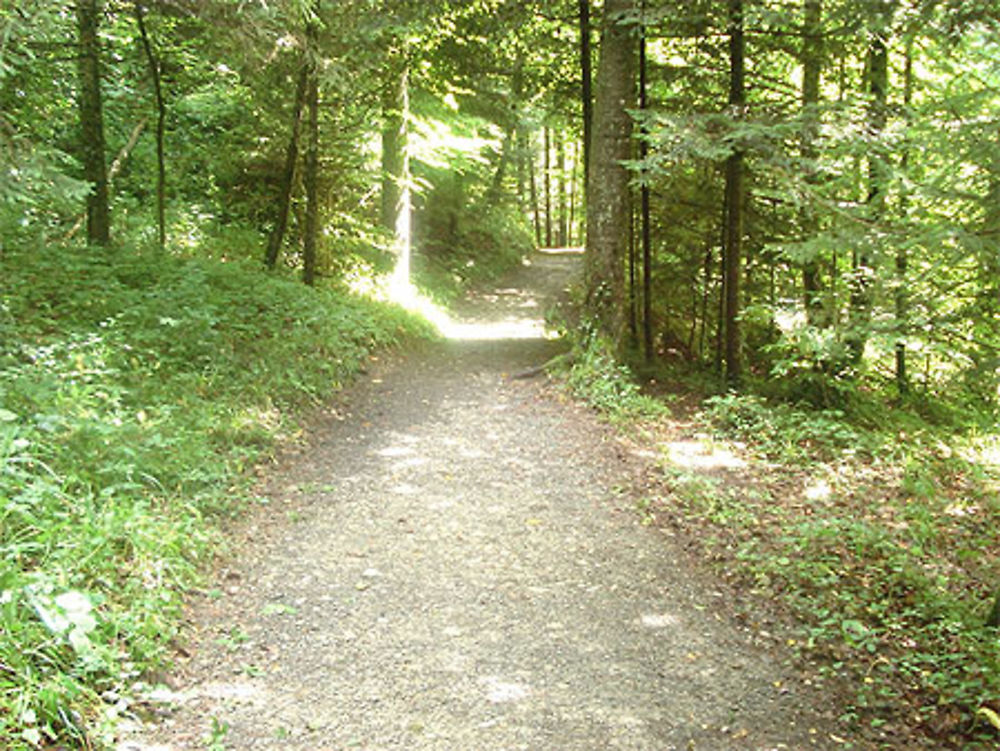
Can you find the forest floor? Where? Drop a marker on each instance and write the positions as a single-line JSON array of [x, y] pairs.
[[453, 560]]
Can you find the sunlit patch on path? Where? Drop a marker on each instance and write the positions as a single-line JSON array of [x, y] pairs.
[[499, 691], [700, 454], [659, 620], [509, 313]]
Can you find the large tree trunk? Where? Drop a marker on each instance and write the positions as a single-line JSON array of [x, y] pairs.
[[509, 147], [277, 237], [92, 123], [533, 187], [734, 201], [993, 619], [113, 171], [161, 124], [394, 134], [522, 151], [647, 248], [397, 201], [720, 323], [707, 266], [986, 313], [633, 281], [500, 174], [608, 214], [561, 189], [311, 174], [812, 63], [586, 94], [571, 219]]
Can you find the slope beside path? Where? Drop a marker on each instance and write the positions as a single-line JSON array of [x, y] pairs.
[[450, 565]]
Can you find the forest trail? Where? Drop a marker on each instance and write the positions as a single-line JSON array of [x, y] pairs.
[[450, 566]]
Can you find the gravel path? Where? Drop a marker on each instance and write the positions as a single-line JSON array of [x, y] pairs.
[[450, 566]]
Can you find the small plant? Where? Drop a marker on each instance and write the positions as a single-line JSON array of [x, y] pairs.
[[608, 386], [279, 608], [216, 736], [646, 507], [783, 431], [234, 639]]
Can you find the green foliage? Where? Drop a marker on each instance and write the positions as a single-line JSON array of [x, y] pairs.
[[466, 231], [135, 392], [705, 497], [598, 379], [894, 227], [783, 431], [35, 190], [874, 536]]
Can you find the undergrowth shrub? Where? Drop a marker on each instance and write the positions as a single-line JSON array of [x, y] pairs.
[[134, 393], [783, 430], [890, 568], [598, 379]]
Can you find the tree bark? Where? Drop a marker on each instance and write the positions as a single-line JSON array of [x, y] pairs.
[[571, 219], [500, 174], [89, 103], [561, 189], [734, 198], [311, 174], [277, 236], [986, 313], [902, 299], [586, 93], [522, 153], [633, 281], [993, 619], [647, 249], [161, 124], [397, 209], [608, 214], [707, 266], [547, 185], [509, 147], [404, 206], [113, 171], [535, 208], [394, 134], [718, 357]]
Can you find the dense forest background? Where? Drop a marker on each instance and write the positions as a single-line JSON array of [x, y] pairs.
[[794, 206]]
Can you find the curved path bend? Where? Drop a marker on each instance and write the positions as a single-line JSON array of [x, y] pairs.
[[451, 565]]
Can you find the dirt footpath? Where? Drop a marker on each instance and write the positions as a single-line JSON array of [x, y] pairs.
[[451, 565]]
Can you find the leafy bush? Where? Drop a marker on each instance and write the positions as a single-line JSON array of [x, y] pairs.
[[598, 379], [880, 555], [810, 364], [134, 392], [781, 430]]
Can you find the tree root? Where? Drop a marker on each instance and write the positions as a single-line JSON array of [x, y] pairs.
[[563, 360]]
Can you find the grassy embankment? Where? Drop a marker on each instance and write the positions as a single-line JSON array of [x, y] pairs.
[[135, 394]]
